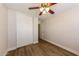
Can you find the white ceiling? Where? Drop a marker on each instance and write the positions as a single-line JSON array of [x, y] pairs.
[[23, 7]]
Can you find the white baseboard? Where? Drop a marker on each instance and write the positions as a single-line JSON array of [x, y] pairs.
[[66, 48], [13, 48], [5, 53], [9, 49], [35, 42]]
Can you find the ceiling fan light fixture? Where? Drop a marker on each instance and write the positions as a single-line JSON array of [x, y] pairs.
[[41, 9], [47, 9], [44, 8], [44, 12]]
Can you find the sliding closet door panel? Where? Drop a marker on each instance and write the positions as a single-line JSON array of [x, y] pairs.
[[24, 29]]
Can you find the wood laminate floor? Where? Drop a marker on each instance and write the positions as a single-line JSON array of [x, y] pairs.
[[42, 48]]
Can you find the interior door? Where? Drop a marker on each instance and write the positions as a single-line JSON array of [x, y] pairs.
[[24, 29], [38, 31]]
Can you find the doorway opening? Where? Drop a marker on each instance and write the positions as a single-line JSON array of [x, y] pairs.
[[38, 32]]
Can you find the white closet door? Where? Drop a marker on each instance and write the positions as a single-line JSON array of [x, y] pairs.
[[24, 29], [12, 35]]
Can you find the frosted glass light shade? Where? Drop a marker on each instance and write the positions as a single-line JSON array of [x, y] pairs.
[[47, 9], [41, 9], [44, 12]]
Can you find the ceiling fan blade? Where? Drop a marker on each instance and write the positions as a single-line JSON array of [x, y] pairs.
[[40, 13], [50, 4], [34, 7], [51, 12]]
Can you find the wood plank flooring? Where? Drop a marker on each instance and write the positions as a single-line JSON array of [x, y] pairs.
[[42, 48]]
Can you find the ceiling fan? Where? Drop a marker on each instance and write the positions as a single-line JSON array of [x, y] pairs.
[[44, 8]]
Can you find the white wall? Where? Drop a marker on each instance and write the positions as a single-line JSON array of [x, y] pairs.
[[63, 29], [12, 34], [3, 30]]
